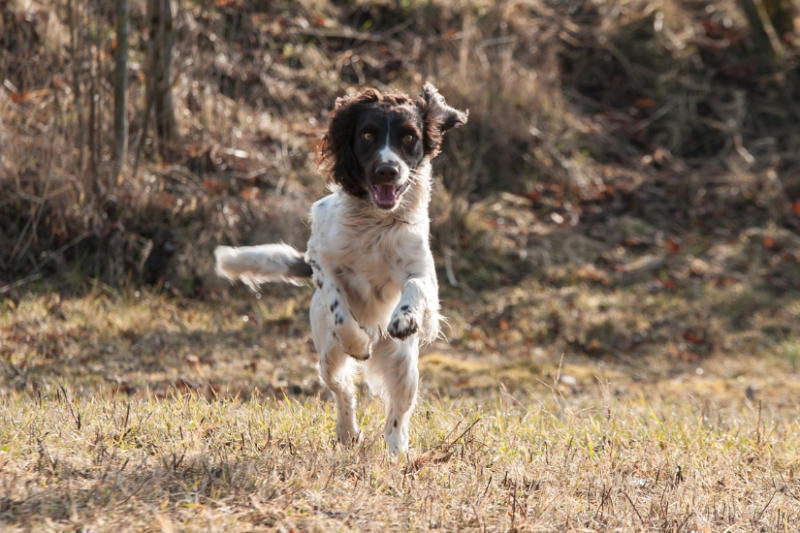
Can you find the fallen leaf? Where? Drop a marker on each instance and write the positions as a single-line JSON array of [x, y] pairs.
[[249, 193], [591, 273], [694, 337], [682, 353], [20, 97], [670, 284], [673, 246]]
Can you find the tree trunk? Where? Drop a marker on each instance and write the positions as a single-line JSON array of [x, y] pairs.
[[162, 40], [76, 83], [121, 89]]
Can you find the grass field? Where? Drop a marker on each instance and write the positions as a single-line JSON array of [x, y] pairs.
[[208, 416]]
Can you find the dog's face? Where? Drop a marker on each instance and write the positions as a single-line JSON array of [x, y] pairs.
[[388, 149], [376, 141]]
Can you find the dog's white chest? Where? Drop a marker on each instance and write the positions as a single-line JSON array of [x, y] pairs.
[[372, 276], [370, 258]]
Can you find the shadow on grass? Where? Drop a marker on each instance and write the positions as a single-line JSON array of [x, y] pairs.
[[236, 348], [165, 478]]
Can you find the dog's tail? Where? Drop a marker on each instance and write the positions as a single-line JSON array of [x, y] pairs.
[[254, 265]]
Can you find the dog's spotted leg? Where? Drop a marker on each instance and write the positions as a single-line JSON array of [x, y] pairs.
[[335, 371], [401, 378], [348, 333], [408, 316], [353, 339]]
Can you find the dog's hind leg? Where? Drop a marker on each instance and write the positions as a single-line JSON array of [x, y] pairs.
[[347, 332], [336, 370]]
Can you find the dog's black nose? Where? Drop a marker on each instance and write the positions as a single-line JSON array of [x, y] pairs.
[[386, 173]]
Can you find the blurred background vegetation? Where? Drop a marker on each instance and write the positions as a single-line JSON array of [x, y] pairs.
[[629, 179]]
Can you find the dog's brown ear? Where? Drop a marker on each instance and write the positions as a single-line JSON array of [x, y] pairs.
[[437, 118], [336, 150]]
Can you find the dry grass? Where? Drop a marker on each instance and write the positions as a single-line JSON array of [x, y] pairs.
[[656, 462], [126, 410]]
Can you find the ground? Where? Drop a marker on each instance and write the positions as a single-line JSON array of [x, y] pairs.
[[131, 409]]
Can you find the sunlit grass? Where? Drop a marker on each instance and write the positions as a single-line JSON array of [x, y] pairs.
[[126, 409], [503, 461]]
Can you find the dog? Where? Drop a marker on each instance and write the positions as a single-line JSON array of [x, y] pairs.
[[376, 294]]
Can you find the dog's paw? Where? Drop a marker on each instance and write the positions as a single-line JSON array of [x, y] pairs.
[[348, 435], [354, 341], [396, 440], [403, 322]]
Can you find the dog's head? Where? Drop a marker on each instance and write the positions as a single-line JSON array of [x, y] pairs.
[[376, 141]]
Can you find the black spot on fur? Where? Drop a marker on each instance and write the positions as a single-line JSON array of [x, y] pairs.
[[405, 308], [300, 269], [339, 319], [334, 305], [342, 271], [394, 424]]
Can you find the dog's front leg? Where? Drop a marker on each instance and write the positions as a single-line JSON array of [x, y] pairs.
[[417, 309], [346, 330]]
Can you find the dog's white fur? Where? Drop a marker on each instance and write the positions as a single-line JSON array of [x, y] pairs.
[[254, 265], [376, 297]]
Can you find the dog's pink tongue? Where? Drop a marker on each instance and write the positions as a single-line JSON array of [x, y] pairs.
[[386, 194]]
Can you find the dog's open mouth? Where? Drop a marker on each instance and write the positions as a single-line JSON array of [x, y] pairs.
[[385, 195]]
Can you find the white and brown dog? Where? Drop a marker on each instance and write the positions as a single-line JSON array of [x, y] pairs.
[[376, 295]]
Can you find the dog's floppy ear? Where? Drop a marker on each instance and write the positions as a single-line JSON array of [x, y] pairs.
[[437, 118], [336, 150]]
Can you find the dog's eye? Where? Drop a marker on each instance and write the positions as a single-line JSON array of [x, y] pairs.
[[409, 139], [367, 137]]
